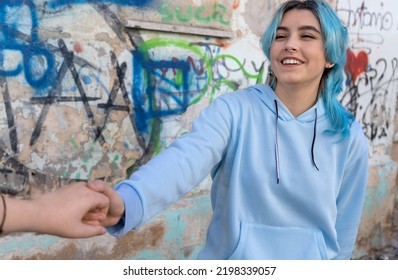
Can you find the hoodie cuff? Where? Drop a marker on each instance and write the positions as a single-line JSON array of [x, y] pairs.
[[133, 210]]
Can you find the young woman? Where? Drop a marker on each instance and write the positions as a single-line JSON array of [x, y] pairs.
[[289, 164], [72, 211]]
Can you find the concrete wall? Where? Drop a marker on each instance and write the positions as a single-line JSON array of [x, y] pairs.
[[85, 95]]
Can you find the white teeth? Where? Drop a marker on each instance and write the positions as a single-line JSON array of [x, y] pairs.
[[291, 61]]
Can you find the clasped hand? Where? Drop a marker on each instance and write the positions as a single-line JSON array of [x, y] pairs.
[[78, 210]]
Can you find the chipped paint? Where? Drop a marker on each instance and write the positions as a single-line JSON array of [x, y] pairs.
[[376, 229]]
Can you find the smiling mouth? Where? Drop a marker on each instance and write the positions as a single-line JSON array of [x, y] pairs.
[[290, 61]]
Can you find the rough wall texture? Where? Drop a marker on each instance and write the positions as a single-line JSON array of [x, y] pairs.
[[84, 96]]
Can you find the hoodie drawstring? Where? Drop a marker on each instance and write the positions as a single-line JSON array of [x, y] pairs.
[[276, 142], [313, 141]]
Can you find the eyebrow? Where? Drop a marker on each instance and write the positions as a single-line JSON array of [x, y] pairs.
[[301, 28]]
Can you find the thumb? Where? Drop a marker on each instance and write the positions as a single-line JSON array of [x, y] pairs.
[[100, 186]]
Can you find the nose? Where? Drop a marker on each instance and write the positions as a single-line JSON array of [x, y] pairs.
[[291, 44]]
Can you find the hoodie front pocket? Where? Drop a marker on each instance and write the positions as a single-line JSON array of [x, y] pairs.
[[277, 243]]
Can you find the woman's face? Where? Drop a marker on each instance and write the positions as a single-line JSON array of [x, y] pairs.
[[297, 55]]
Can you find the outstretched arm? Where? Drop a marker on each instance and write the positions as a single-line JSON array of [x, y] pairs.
[[72, 211], [171, 174]]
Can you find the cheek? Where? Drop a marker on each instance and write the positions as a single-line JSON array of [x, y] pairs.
[[273, 55], [321, 52], [272, 51]]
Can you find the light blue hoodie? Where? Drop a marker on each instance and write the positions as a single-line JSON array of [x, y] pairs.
[[249, 141]]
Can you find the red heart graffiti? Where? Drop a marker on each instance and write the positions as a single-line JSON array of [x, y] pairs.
[[356, 64]]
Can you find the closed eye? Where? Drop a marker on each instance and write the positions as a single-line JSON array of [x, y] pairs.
[[308, 36], [280, 36]]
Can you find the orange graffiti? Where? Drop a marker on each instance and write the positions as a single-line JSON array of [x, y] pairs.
[[78, 47], [223, 43], [236, 4]]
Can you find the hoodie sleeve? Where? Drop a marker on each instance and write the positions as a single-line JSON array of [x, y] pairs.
[[176, 170], [351, 197]]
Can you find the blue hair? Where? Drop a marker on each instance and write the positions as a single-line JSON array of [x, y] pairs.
[[336, 43]]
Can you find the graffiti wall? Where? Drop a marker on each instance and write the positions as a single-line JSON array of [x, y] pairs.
[[372, 69], [94, 89], [371, 94], [105, 93]]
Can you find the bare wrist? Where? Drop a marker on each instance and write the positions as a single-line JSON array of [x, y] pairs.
[[3, 214]]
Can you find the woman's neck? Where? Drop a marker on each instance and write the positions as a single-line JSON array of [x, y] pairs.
[[297, 99]]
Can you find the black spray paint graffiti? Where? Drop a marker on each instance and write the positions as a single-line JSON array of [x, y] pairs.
[[371, 88], [55, 94], [9, 163], [363, 17], [219, 67], [55, 97], [109, 106], [50, 83], [10, 115]]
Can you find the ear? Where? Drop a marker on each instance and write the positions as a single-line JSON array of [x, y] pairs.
[[329, 65]]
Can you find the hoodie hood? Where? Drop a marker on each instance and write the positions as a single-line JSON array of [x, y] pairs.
[[268, 96], [271, 100]]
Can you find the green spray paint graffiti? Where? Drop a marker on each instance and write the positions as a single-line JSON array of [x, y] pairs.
[[202, 14], [165, 84]]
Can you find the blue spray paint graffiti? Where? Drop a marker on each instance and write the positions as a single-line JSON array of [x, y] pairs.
[[37, 63], [19, 33], [148, 94], [163, 85]]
